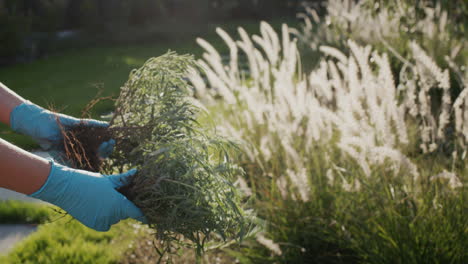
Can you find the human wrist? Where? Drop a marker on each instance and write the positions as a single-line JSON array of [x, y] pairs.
[[8, 101], [50, 189], [89, 197], [22, 114], [24, 172], [42, 125]]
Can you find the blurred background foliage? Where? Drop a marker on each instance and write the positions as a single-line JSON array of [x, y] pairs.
[[34, 28]]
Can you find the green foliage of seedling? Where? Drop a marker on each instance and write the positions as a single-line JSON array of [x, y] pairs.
[[183, 184]]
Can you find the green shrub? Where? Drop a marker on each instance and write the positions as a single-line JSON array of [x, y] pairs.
[[15, 212], [67, 241]]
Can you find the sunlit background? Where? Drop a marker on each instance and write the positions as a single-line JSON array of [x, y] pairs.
[[351, 116]]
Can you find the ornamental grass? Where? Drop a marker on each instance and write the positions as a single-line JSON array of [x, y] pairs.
[[184, 181]]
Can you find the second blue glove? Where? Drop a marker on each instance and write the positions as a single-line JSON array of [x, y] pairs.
[[44, 127]]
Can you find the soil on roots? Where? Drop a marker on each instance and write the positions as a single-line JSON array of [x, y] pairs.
[[127, 190], [81, 144]]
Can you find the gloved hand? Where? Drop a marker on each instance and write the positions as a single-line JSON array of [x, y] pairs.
[[89, 197], [44, 126]]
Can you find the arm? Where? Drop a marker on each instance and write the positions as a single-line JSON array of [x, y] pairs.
[[8, 101], [21, 171], [89, 197], [44, 126]]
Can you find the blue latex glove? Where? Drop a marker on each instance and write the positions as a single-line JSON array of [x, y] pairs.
[[89, 197], [42, 126]]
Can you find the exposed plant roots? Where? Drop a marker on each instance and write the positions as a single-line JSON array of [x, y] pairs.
[[81, 144]]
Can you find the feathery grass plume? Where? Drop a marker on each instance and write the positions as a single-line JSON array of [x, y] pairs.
[[388, 26], [355, 95], [350, 113], [439, 116], [270, 244], [363, 109], [461, 116], [183, 184], [453, 180]]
